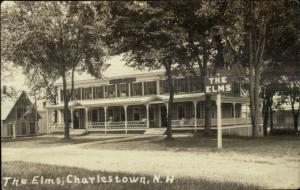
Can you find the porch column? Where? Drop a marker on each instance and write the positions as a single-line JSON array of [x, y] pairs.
[[125, 111], [116, 90], [59, 116], [72, 119], [86, 118], [147, 108], [167, 106], [129, 89], [195, 111], [157, 87], [143, 90], [105, 119], [234, 119]]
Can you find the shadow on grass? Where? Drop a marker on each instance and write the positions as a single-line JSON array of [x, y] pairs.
[[59, 174]]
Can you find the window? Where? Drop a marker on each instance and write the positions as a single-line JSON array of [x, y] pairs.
[[20, 111], [94, 115], [136, 114], [23, 128], [86, 93], [116, 114], [150, 88], [181, 111], [181, 85], [136, 89], [195, 84], [98, 92], [110, 91], [163, 86], [200, 110], [123, 90], [77, 94]]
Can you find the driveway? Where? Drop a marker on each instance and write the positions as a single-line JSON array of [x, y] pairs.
[[270, 172]]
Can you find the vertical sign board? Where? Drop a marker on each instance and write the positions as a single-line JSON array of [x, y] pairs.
[[218, 85]]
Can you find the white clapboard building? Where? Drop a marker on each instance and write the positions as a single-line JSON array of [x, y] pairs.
[[128, 100]]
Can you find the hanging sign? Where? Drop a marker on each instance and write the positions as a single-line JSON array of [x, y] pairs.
[[217, 84]]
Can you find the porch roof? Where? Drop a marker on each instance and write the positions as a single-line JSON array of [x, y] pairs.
[[163, 98]]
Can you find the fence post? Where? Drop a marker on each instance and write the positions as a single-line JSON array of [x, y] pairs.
[[125, 110], [105, 120], [219, 121], [14, 130]]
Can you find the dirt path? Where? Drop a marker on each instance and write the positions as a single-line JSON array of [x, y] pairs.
[[267, 171]]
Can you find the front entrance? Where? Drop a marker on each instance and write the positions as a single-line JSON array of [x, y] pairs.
[[32, 128], [78, 119], [163, 116]]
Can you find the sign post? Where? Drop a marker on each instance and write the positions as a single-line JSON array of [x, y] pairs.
[[218, 85], [219, 121]]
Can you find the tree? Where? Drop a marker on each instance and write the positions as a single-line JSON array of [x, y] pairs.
[[42, 85], [203, 24], [144, 33], [258, 28], [54, 37], [290, 93]]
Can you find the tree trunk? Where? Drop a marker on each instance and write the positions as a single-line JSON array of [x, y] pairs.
[[271, 120], [207, 115], [295, 116], [257, 111], [66, 109], [170, 103], [265, 117], [296, 122]]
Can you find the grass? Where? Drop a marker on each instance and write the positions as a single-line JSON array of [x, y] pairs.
[[24, 170], [270, 146], [45, 142]]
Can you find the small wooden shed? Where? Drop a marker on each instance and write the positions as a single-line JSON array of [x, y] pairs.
[[19, 117]]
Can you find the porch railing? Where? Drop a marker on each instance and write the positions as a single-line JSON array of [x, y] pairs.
[[136, 124], [59, 126], [183, 123], [96, 125], [200, 122], [115, 124]]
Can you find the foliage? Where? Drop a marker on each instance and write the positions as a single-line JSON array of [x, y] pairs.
[[54, 39]]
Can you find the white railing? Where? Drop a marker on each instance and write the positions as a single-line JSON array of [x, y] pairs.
[[136, 124], [96, 125], [115, 124], [200, 122], [183, 123], [59, 126], [283, 126]]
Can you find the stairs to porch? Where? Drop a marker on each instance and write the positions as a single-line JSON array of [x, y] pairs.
[[78, 132], [155, 131]]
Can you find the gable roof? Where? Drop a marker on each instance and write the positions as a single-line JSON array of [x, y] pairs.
[[8, 103]]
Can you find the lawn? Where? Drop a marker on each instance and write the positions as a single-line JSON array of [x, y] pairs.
[[64, 178], [270, 145], [51, 141]]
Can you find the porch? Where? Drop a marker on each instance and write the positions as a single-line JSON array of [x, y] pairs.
[[187, 115]]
